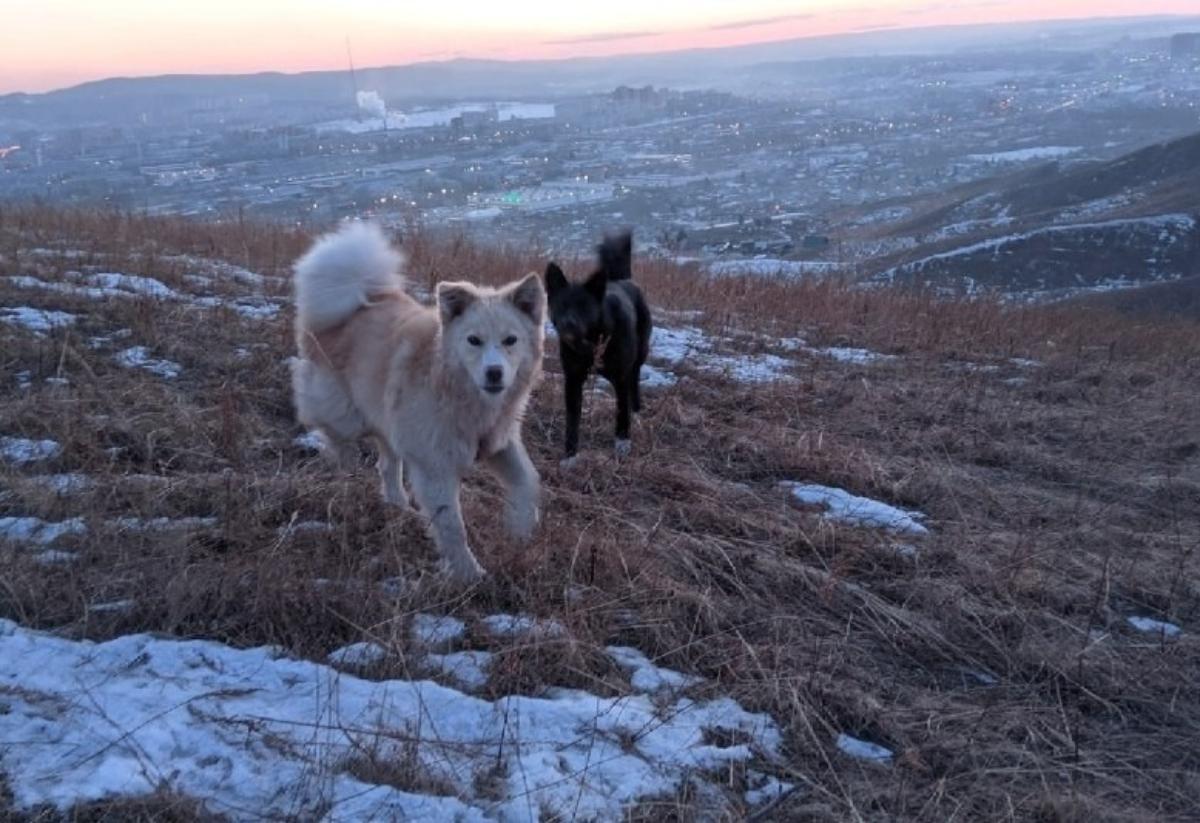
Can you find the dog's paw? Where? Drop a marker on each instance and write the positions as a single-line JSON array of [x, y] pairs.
[[465, 572], [623, 447], [523, 521], [569, 463], [395, 497]]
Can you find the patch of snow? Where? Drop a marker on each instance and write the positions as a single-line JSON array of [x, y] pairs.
[[251, 308], [259, 736], [436, 630], [768, 789], [138, 357], [851, 355], [396, 586], [673, 345], [36, 320], [860, 511], [313, 441], [969, 226], [644, 675], [256, 311], [523, 625], [358, 654], [37, 531], [132, 283], [101, 342], [748, 368], [98, 286], [62, 484], [164, 524], [221, 269], [112, 606], [55, 557], [304, 527], [1151, 626], [1026, 155], [687, 343], [468, 668], [111, 285], [862, 750], [20, 451], [655, 378], [981, 677], [489, 213], [1096, 208], [770, 267]]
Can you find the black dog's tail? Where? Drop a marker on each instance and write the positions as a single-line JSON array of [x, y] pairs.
[[616, 256]]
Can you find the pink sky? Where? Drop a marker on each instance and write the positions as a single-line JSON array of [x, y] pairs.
[[47, 44]]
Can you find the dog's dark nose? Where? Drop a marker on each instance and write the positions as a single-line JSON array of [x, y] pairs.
[[494, 374]]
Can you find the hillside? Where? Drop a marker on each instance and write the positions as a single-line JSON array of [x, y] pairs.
[[876, 556], [1038, 233]]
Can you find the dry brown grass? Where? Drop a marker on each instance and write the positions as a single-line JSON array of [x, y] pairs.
[[997, 663]]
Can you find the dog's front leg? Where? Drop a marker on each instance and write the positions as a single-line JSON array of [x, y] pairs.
[[391, 470], [516, 471], [437, 494], [574, 397]]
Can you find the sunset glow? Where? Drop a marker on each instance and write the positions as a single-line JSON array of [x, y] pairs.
[[53, 43]]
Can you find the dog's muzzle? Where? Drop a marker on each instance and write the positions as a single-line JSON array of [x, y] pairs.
[[493, 380]]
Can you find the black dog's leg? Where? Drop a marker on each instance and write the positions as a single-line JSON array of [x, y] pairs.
[[635, 389], [624, 394], [574, 396]]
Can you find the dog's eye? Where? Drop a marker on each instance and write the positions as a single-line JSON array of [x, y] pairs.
[[510, 340], [474, 341]]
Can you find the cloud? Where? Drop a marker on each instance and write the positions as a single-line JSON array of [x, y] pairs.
[[601, 37], [933, 8], [759, 21]]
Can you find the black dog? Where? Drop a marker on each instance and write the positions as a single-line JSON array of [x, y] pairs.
[[602, 323]]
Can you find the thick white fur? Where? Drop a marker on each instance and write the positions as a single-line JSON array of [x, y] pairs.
[[438, 389], [341, 272]]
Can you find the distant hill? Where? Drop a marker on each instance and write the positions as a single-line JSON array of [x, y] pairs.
[[1059, 229], [1163, 177], [122, 99]]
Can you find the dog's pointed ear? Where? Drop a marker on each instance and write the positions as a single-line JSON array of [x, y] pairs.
[[529, 297], [555, 279], [597, 285], [453, 299]]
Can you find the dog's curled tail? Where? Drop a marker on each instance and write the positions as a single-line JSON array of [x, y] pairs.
[[342, 272], [616, 256]]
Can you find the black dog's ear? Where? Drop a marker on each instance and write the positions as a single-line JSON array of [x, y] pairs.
[[555, 279], [597, 285]]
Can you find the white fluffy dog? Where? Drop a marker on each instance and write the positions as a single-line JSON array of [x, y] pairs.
[[438, 389]]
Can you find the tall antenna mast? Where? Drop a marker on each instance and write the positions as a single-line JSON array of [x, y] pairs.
[[353, 80]]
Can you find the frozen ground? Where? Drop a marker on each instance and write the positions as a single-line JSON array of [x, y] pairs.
[[845, 507], [259, 735]]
